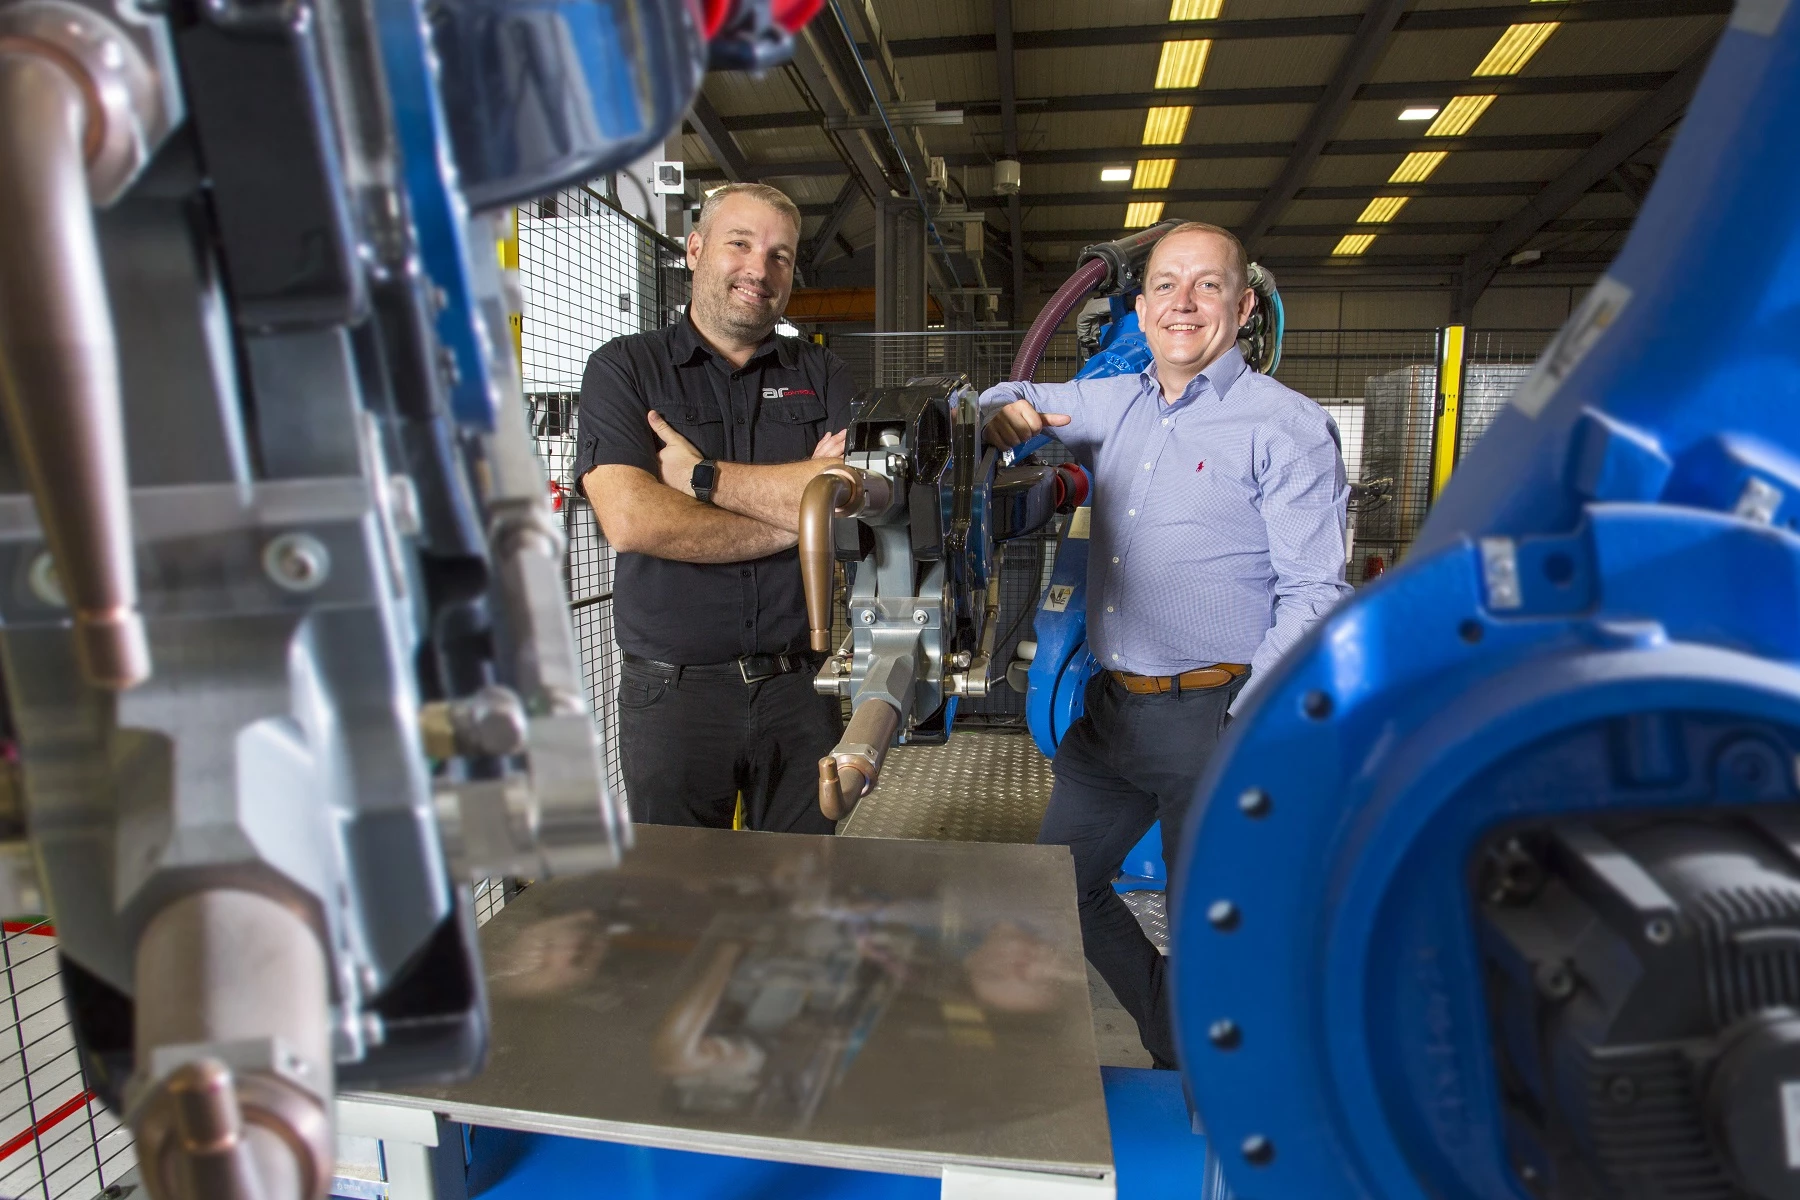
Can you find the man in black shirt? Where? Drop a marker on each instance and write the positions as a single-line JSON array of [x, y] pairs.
[[695, 444]]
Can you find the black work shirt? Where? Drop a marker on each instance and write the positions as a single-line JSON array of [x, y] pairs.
[[774, 409]]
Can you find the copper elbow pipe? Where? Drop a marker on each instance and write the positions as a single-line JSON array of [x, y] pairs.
[[833, 491], [852, 768], [59, 368]]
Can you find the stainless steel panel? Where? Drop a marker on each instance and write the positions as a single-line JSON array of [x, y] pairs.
[[888, 1004]]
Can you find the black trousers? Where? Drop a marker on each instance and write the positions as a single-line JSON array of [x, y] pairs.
[[691, 740], [1129, 761]]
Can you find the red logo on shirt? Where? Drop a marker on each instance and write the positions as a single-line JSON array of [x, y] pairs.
[[1202, 465], [778, 393]]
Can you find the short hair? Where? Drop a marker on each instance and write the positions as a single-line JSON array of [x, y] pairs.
[[1239, 255], [775, 198]]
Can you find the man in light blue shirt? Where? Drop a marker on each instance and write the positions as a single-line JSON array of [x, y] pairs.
[[1217, 539]]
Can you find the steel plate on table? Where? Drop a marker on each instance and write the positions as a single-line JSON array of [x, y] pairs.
[[895, 1005]]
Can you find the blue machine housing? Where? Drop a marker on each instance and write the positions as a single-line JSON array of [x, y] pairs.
[[1618, 554]]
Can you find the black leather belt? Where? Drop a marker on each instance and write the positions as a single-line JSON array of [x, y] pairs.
[[752, 668]]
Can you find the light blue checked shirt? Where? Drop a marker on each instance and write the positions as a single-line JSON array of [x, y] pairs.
[[1218, 520]]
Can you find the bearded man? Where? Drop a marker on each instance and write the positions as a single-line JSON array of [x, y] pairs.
[[695, 442]]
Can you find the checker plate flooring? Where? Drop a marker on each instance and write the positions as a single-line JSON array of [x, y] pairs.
[[981, 786]]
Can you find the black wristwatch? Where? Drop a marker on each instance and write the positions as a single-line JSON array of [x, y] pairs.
[[704, 480]]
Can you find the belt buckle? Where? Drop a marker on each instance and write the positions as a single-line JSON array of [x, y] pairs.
[[744, 671]]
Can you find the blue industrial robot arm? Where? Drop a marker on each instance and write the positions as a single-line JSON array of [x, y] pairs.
[[1496, 890]]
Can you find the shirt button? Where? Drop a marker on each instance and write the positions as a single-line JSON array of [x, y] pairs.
[[1132, 513], [1115, 558], [1109, 608], [1146, 466], [1115, 658], [746, 572], [1165, 420], [749, 624]]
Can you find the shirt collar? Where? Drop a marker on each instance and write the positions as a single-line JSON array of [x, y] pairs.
[[1221, 373], [689, 346]]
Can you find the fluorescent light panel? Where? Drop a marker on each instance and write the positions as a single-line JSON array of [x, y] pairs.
[[1515, 48], [1195, 10], [1182, 64], [1418, 166], [1166, 126], [1142, 213], [1381, 210], [1422, 113], [1153, 173], [1353, 243], [1114, 174], [1459, 115]]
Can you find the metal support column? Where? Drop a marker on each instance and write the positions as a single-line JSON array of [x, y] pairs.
[[899, 268]]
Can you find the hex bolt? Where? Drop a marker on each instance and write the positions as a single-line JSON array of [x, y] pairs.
[[1554, 980], [867, 616], [46, 585], [1223, 915], [1316, 704], [1659, 931], [1225, 1034], [1255, 803], [298, 562], [921, 617], [1258, 1150]]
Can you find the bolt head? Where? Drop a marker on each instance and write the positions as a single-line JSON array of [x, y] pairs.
[[921, 617], [867, 616], [1255, 803], [1225, 1034], [1258, 1150], [297, 562], [1223, 915], [1659, 931]]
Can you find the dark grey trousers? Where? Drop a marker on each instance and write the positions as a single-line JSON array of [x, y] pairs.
[[1129, 761], [690, 741]]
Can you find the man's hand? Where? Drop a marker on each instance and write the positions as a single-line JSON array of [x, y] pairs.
[[831, 445], [677, 458], [1019, 422]]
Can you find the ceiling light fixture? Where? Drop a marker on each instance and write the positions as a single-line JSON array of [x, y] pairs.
[[1418, 166], [1143, 213], [1353, 243], [1153, 173], [1114, 174], [1382, 209], [1422, 113], [1195, 10], [1515, 48], [1166, 126], [1459, 115], [1182, 64]]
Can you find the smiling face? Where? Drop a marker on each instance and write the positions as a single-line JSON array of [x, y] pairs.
[[743, 263], [1195, 300]]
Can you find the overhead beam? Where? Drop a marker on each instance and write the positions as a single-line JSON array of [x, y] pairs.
[[1398, 229], [721, 147], [1487, 85], [1640, 126], [834, 221], [1009, 147], [1202, 151], [1354, 67], [1291, 27], [832, 96]]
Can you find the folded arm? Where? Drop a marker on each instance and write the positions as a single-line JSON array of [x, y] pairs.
[[640, 515], [766, 492]]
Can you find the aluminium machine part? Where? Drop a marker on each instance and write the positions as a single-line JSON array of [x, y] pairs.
[[914, 513], [1494, 883], [271, 542]]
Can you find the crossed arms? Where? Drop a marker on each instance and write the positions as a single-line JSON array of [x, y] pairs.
[[754, 511]]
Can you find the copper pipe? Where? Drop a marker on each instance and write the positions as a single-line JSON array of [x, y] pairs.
[[59, 365], [852, 768], [835, 490]]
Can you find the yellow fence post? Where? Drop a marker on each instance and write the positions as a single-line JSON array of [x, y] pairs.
[[1449, 406]]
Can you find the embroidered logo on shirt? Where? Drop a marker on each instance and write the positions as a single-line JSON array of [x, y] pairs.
[[778, 393], [1202, 465]]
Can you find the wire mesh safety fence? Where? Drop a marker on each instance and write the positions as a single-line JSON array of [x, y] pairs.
[[587, 274], [56, 1139], [1496, 362]]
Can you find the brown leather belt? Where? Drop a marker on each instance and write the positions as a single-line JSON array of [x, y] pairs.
[[1199, 679]]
